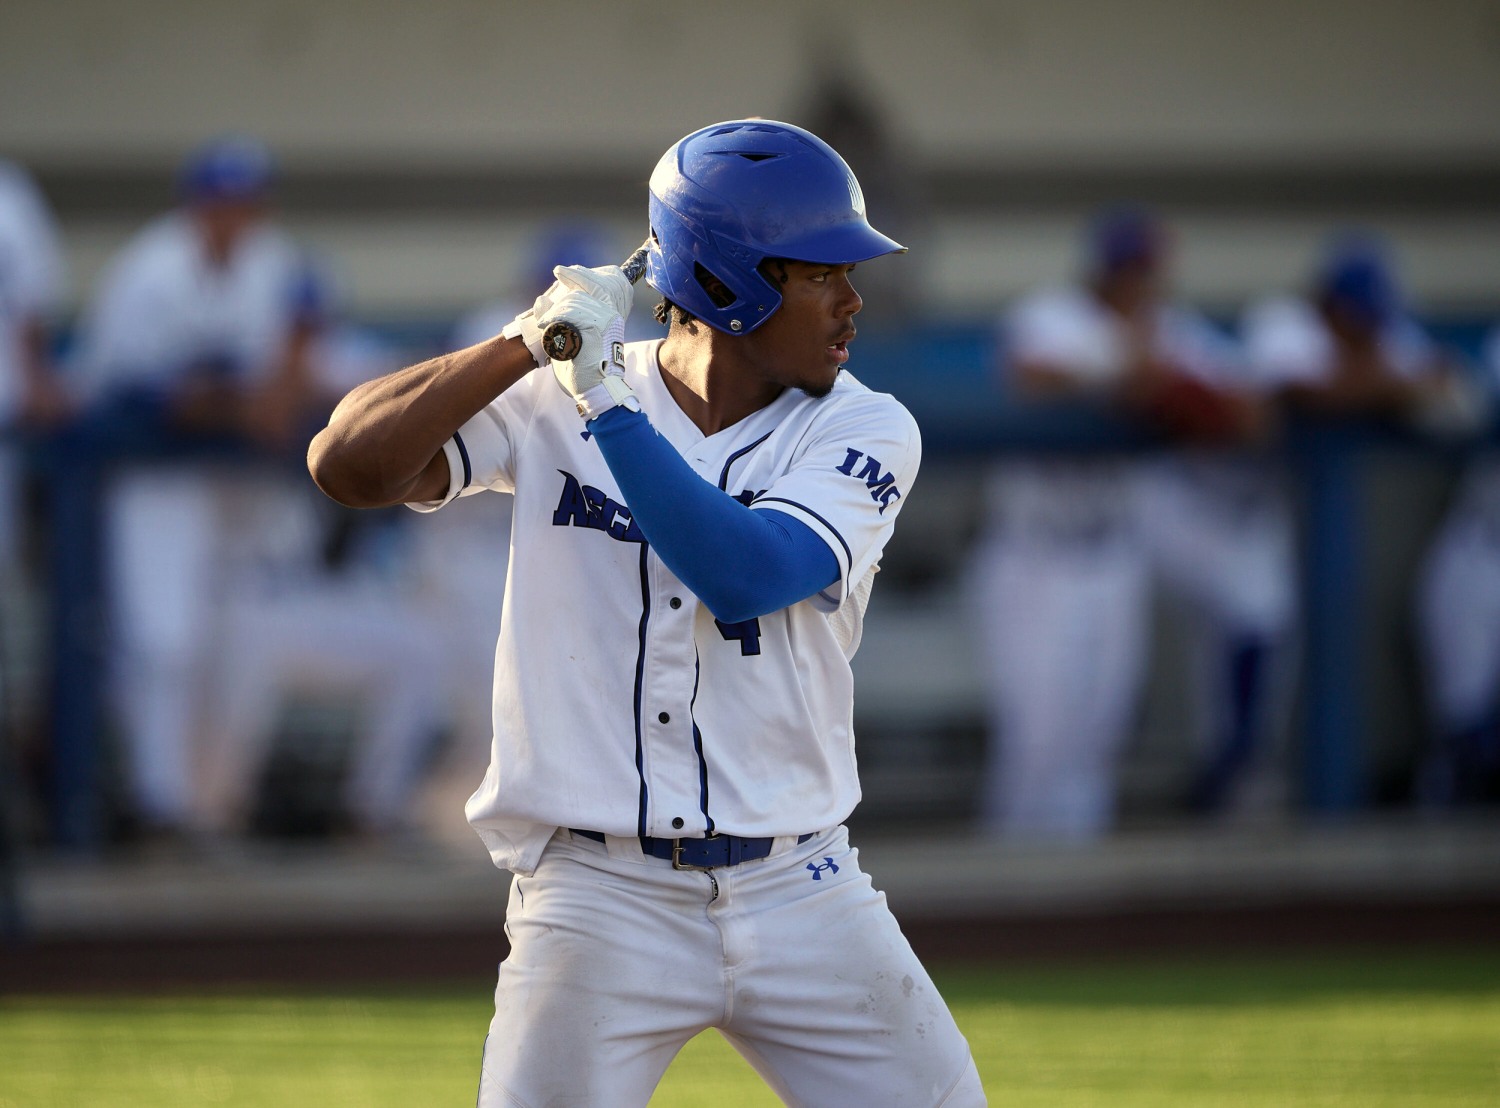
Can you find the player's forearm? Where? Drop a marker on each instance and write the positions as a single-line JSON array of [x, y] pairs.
[[383, 443], [740, 562]]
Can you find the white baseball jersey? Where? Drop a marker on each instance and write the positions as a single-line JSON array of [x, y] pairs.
[[1241, 525], [620, 704], [1288, 343], [1081, 500], [1218, 522], [31, 274], [163, 306]]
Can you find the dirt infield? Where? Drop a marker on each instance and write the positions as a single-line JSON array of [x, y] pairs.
[[406, 957]]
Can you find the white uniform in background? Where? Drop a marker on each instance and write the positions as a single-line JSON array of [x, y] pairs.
[[32, 285], [1060, 579], [1286, 343], [1458, 626], [460, 559], [1221, 538], [175, 533], [359, 631]]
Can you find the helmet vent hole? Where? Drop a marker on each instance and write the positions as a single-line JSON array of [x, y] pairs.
[[759, 157], [714, 288]]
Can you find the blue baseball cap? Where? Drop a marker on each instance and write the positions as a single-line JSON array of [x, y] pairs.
[[1357, 278], [232, 167], [1124, 237]]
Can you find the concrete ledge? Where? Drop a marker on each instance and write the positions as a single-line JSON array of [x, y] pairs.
[[1205, 867], [310, 889]]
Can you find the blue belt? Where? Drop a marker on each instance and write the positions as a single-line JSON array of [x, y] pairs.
[[709, 853]]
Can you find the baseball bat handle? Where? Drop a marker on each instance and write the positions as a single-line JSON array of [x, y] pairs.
[[561, 339], [634, 267]]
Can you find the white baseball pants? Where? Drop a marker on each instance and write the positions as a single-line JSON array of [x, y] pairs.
[[617, 960], [324, 636], [1458, 621], [1065, 632]]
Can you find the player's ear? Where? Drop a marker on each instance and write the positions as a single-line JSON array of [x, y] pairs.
[[717, 290]]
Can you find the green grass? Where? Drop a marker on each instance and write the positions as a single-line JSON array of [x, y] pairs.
[[1371, 1031]]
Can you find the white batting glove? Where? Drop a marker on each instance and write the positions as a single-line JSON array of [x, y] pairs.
[[595, 376], [607, 282]]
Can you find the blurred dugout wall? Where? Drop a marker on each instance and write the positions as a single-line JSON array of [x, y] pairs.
[[419, 142]]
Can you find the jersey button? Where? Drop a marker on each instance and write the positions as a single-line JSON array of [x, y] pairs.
[[675, 602], [677, 823], [664, 718]]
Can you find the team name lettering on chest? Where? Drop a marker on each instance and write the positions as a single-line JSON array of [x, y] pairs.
[[585, 506], [882, 485]]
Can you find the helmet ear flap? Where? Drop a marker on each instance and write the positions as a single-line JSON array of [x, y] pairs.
[[708, 274]]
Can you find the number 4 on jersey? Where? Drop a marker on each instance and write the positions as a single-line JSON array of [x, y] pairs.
[[746, 633]]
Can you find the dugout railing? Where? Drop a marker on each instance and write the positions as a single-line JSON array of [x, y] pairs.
[[943, 376]]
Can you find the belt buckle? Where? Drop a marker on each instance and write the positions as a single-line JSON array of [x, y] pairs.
[[679, 864]]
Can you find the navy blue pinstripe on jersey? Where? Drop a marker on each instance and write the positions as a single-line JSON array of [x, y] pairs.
[[463, 452], [834, 531], [640, 682], [698, 747], [736, 456]]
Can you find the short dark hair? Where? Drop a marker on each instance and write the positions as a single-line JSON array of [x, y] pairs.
[[666, 312]]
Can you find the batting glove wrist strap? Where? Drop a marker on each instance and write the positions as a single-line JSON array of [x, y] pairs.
[[595, 376], [524, 327], [612, 392]]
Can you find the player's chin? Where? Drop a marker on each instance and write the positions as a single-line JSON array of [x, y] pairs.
[[819, 382], [819, 389]]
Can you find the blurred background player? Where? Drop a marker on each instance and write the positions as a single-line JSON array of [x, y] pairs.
[[197, 336], [1351, 348], [1458, 629], [1220, 537], [1061, 569], [33, 282], [330, 615]]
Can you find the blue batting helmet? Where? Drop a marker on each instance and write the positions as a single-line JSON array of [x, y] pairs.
[[727, 197]]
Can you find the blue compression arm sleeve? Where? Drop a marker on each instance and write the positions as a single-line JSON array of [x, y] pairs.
[[741, 563]]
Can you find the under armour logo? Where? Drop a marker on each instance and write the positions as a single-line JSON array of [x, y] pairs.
[[818, 868]]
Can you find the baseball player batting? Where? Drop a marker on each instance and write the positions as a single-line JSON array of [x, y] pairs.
[[698, 520]]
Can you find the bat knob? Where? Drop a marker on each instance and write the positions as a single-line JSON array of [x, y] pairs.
[[562, 341]]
